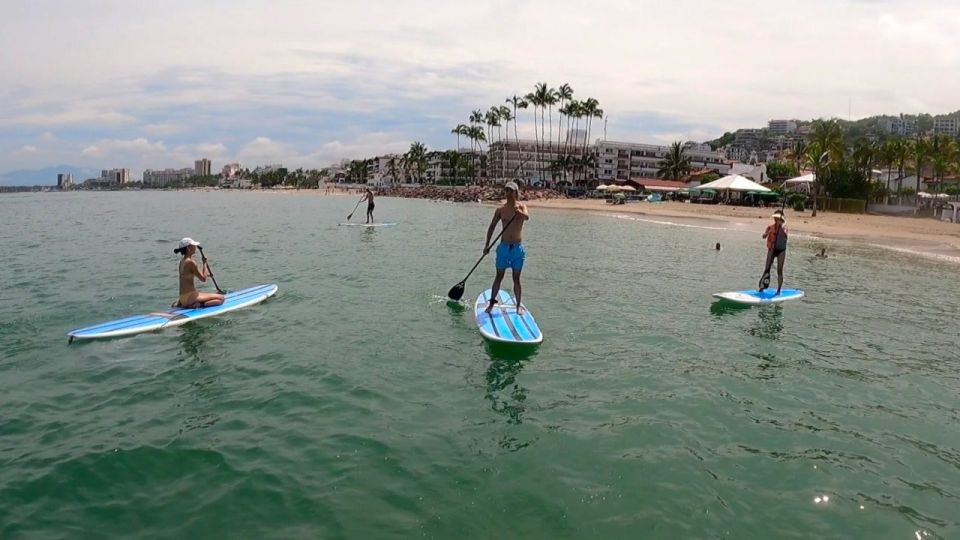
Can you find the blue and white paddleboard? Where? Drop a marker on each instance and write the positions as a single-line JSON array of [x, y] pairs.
[[173, 316], [769, 296], [387, 224], [504, 325]]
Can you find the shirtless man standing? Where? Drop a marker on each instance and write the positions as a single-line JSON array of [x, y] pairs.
[[510, 252]]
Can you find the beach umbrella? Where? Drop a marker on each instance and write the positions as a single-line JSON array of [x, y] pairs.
[[627, 188]]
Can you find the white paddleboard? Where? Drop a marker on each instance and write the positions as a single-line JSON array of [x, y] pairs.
[[173, 316], [388, 224], [503, 324], [754, 296]]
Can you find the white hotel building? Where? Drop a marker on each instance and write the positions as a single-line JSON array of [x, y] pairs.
[[621, 161]]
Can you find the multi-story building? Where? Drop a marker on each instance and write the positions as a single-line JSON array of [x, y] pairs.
[[621, 161], [747, 138], [201, 167], [946, 125], [781, 127], [385, 170], [538, 163], [114, 176], [64, 181], [166, 177], [904, 125]]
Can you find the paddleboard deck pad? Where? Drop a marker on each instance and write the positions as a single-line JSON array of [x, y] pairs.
[[173, 316], [503, 324], [755, 297]]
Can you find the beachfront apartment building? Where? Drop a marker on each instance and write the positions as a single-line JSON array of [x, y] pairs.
[[946, 125], [904, 125], [166, 177], [114, 177], [385, 170], [201, 167], [781, 127], [534, 162], [621, 161]]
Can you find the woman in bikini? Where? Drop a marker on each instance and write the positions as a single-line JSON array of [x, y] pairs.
[[190, 297]]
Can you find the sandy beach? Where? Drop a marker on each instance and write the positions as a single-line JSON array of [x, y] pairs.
[[922, 236]]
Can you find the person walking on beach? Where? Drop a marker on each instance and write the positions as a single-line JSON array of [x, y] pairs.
[[368, 196], [510, 252], [189, 296], [776, 237]]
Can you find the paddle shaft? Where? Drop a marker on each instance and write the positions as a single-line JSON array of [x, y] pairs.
[[357, 206], [487, 248], [210, 271]]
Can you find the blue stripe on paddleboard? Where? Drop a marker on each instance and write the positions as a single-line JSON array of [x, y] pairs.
[[488, 323], [531, 324], [519, 328], [500, 328], [525, 327], [148, 320]]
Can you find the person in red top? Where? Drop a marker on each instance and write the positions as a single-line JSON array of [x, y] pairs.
[[776, 237]]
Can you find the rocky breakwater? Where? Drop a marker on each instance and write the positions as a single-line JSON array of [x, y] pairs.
[[468, 194]]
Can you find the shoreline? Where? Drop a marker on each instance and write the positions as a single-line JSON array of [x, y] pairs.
[[923, 237]]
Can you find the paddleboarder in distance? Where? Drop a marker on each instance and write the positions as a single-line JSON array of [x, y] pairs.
[[190, 297], [368, 196], [510, 252], [776, 237]]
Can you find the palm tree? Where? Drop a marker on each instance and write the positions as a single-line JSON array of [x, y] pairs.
[[550, 99], [507, 117], [415, 160], [675, 163], [518, 103], [796, 154], [942, 154], [565, 94], [492, 119], [826, 136], [901, 151], [921, 151], [461, 129], [888, 156], [358, 170]]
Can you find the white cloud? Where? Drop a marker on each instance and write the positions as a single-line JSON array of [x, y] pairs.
[[92, 151], [684, 71], [49, 138], [27, 149], [211, 149], [160, 129]]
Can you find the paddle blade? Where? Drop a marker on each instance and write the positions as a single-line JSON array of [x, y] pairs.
[[456, 292], [764, 281]]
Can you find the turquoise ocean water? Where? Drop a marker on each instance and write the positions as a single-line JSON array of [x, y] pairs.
[[358, 404]]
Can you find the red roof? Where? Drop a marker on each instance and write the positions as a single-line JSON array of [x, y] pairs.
[[655, 182]]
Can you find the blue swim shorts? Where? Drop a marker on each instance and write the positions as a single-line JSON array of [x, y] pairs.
[[510, 256]]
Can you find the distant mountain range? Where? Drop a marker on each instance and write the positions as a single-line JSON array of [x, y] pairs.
[[46, 176]]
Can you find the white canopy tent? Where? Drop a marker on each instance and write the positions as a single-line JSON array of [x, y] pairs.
[[733, 182], [804, 179]]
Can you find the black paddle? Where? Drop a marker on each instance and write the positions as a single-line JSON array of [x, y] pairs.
[[456, 292], [350, 215], [210, 271]]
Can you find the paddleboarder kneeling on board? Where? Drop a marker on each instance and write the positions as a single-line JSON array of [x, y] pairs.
[[190, 297], [370, 206], [510, 252], [776, 237]]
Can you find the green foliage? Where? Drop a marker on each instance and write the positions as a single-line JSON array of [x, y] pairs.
[[843, 180], [724, 140], [675, 163], [781, 170]]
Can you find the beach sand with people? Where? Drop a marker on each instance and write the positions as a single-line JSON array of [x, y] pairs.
[[922, 236]]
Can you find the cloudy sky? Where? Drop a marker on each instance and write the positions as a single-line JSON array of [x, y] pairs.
[[138, 84]]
